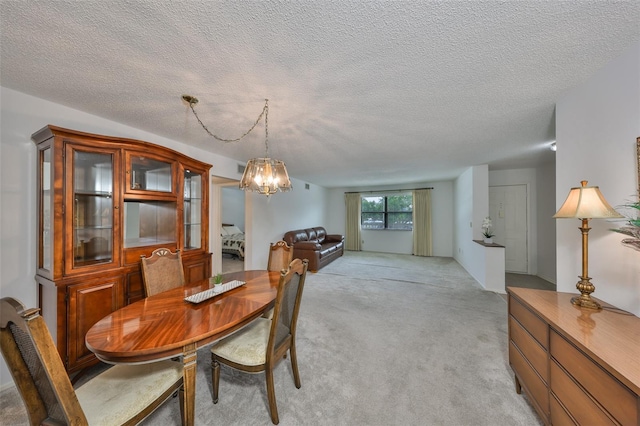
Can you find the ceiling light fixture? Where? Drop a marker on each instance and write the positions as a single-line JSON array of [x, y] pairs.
[[263, 175]]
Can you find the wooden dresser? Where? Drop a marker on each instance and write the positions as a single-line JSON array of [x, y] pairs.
[[576, 365]]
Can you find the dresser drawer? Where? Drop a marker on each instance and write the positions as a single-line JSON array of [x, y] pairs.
[[533, 384], [530, 348], [559, 417], [530, 321], [621, 403], [581, 407]]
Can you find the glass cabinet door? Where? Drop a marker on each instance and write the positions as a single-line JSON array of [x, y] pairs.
[[145, 173], [192, 210], [93, 208], [45, 237]]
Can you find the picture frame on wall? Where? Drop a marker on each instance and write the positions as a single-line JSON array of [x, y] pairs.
[[638, 160]]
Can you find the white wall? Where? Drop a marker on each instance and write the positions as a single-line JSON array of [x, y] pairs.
[[22, 115], [597, 125], [546, 225], [233, 206], [471, 206], [268, 219], [399, 241]]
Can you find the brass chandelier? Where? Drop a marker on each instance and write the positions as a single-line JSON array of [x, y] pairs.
[[264, 175]]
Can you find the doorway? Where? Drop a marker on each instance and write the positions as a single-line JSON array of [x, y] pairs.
[[232, 220], [227, 207], [508, 212]]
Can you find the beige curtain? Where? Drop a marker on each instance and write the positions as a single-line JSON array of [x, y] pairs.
[[352, 226], [422, 242]]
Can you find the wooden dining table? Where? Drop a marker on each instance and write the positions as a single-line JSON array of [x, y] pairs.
[[166, 326]]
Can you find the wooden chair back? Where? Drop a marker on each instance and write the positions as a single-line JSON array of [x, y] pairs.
[[280, 256], [161, 271], [246, 349], [49, 396], [285, 313], [36, 366]]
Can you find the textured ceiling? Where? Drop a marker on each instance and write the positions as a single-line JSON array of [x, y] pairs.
[[360, 93]]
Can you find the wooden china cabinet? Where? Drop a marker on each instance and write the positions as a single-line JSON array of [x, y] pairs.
[[102, 203]]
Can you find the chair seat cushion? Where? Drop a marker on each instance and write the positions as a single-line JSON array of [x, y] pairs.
[[121, 392], [248, 346]]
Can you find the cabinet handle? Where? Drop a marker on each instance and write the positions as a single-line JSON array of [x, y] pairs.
[[116, 207]]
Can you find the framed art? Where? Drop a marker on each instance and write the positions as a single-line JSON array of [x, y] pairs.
[[638, 160]]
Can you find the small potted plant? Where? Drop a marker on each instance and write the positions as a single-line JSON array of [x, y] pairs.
[[217, 279], [487, 232]]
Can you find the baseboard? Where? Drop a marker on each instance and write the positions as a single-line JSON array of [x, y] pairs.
[[7, 386], [551, 280]]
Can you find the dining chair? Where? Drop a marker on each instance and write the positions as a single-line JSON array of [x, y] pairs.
[[161, 271], [121, 395], [261, 345], [280, 256]]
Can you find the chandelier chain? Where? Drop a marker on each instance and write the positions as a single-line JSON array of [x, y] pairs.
[[263, 175], [265, 112]]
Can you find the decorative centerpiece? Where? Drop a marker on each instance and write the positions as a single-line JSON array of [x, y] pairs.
[[487, 232]]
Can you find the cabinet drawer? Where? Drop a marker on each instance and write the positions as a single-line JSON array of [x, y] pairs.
[[530, 321], [530, 348], [559, 417], [578, 403], [533, 384], [619, 401]]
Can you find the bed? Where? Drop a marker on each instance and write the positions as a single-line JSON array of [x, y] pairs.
[[232, 240]]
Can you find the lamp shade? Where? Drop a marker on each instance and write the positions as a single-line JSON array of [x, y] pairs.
[[266, 176], [586, 202]]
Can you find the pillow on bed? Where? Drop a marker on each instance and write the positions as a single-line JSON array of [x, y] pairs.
[[232, 230], [223, 232]]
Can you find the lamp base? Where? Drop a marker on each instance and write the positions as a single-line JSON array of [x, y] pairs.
[[585, 301], [585, 287]]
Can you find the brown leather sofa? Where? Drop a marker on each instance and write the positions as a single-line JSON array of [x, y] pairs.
[[314, 244]]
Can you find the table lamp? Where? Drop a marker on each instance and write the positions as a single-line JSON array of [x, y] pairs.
[[584, 203]]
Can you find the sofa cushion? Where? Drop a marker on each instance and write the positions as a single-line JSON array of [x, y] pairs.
[[311, 234], [338, 246], [300, 235], [321, 234], [327, 248]]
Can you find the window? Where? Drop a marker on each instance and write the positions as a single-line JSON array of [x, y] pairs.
[[387, 212]]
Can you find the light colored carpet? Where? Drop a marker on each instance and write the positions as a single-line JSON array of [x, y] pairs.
[[382, 340], [231, 264]]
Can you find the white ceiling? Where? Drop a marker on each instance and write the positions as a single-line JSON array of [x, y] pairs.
[[360, 93]]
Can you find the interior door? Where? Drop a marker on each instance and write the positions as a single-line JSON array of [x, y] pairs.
[[508, 211]]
